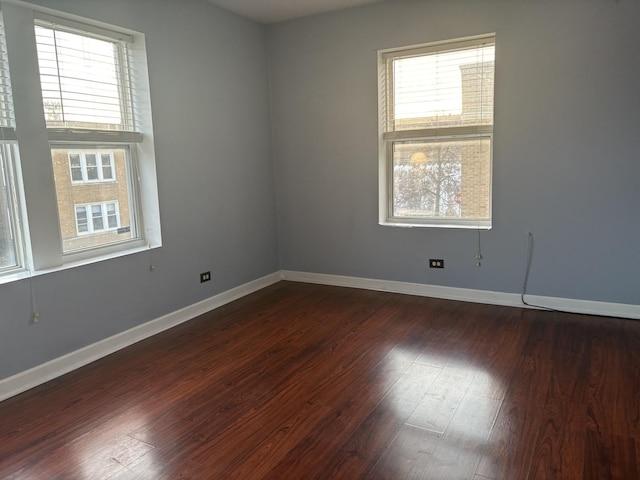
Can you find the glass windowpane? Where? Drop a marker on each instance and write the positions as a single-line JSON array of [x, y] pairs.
[[76, 167], [108, 209], [81, 219], [96, 218], [92, 166], [112, 215], [107, 171], [443, 179]]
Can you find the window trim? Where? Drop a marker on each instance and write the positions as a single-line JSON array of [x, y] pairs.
[[387, 137]]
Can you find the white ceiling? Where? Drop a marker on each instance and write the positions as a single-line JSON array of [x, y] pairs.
[[272, 11]]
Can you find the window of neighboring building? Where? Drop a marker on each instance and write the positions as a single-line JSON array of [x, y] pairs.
[[97, 217], [436, 129], [91, 166]]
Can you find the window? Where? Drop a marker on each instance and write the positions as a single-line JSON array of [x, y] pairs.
[[89, 83], [97, 217], [436, 129], [10, 239], [93, 166], [11, 257], [85, 85]]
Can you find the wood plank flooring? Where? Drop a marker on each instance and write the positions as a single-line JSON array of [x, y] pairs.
[[305, 382]]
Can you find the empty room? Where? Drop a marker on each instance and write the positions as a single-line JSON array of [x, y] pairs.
[[314, 239]]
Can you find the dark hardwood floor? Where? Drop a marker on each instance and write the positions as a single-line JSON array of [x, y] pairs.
[[305, 382]]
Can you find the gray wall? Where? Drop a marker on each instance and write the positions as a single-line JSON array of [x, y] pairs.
[[209, 92], [566, 151], [566, 161]]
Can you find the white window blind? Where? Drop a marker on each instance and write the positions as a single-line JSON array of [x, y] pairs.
[[7, 121], [84, 77], [436, 122], [442, 86]]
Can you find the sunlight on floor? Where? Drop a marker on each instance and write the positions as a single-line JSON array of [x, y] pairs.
[[449, 406], [108, 448]]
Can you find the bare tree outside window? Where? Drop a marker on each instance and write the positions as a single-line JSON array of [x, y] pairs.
[[52, 111], [427, 179]]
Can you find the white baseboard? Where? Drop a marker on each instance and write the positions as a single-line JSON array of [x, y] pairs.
[[48, 371], [59, 366], [604, 309]]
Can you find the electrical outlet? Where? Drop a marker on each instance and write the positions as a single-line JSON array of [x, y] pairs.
[[205, 277], [436, 263]]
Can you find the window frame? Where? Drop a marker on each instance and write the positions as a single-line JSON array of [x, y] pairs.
[[387, 137]]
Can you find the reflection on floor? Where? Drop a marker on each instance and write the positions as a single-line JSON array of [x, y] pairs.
[[304, 381]]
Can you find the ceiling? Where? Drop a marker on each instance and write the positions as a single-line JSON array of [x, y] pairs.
[[272, 11]]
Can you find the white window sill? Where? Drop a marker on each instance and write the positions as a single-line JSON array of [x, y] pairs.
[[73, 263], [444, 224]]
